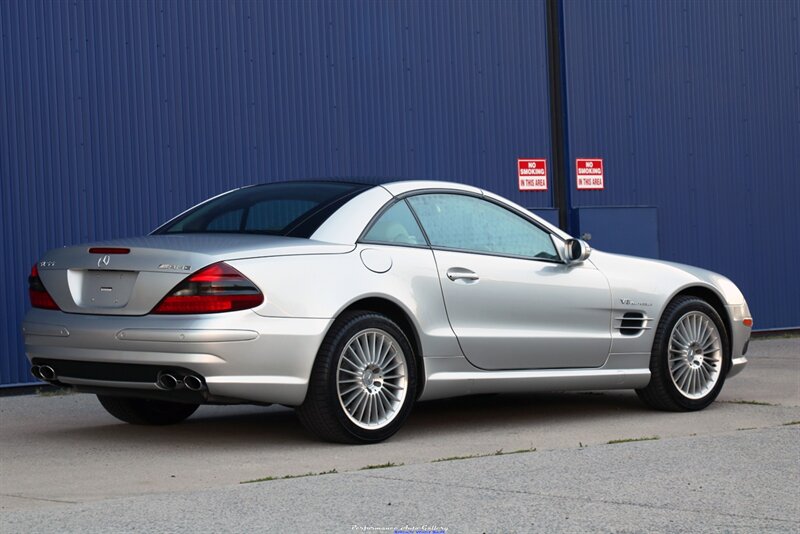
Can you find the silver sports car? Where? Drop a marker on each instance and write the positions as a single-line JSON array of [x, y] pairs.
[[351, 302]]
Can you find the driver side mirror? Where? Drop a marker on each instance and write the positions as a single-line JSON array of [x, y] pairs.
[[576, 250]]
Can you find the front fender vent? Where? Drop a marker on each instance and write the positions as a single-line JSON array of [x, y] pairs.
[[632, 323]]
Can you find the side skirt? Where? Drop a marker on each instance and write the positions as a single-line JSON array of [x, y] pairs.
[[451, 377]]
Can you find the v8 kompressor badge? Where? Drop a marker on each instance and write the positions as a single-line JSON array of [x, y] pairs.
[[631, 302]]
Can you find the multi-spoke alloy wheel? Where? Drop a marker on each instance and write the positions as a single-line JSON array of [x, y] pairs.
[[695, 355], [690, 356], [371, 378], [363, 384]]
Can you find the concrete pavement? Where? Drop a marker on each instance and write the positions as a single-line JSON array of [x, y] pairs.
[[743, 481], [62, 457]]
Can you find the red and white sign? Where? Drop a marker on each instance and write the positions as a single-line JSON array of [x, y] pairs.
[[532, 174], [590, 173]]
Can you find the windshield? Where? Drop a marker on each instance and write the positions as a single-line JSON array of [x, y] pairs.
[[294, 209]]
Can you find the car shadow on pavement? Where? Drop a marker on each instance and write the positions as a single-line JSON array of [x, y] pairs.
[[278, 426], [501, 411]]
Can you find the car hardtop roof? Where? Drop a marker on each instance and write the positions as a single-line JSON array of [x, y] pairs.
[[373, 182]]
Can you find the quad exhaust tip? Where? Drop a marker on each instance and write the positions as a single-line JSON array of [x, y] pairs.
[[35, 372], [166, 381], [192, 383], [43, 372], [170, 382]]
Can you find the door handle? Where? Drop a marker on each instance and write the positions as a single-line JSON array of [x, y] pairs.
[[459, 273]]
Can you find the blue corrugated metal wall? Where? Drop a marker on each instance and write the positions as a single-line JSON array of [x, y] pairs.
[[695, 108], [117, 115]]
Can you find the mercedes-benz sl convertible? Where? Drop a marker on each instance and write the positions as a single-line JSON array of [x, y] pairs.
[[350, 302]]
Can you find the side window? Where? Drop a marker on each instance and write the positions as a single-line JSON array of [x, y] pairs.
[[468, 223], [396, 225]]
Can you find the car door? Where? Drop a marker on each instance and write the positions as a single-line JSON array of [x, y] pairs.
[[511, 300]]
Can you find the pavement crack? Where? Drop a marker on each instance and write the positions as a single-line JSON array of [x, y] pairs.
[[578, 499], [45, 499]]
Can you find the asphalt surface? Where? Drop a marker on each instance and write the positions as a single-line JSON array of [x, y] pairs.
[[65, 465]]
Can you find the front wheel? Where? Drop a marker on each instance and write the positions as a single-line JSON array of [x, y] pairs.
[[364, 381], [690, 357], [146, 411]]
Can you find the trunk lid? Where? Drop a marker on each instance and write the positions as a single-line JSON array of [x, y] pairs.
[[134, 283]]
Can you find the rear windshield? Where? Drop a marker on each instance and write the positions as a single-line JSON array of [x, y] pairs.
[[293, 209]]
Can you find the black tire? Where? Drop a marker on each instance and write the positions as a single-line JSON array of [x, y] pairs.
[[662, 393], [322, 413], [146, 411]]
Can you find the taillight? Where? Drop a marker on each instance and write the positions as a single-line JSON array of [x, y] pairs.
[[214, 289], [39, 296]]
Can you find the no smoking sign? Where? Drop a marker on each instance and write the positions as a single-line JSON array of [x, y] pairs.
[[532, 174], [589, 173]]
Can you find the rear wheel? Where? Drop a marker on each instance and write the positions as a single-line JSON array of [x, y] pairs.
[[363, 383], [690, 357], [146, 411]]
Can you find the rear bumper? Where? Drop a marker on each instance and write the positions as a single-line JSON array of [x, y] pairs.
[[240, 355]]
